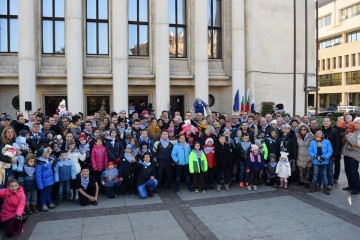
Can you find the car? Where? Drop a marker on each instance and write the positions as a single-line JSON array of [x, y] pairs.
[[348, 108], [334, 114]]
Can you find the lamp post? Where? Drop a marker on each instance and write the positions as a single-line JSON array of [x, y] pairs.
[[317, 58]]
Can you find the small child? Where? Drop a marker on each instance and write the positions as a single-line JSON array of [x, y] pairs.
[[271, 175], [22, 146], [65, 171], [209, 150], [27, 180], [223, 163], [254, 165], [110, 179], [242, 149], [76, 156], [84, 147], [44, 179], [283, 169], [113, 147], [144, 148], [197, 167], [145, 180], [128, 169], [99, 161]]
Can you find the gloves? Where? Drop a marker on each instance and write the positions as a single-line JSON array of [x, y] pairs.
[[322, 159], [248, 170]]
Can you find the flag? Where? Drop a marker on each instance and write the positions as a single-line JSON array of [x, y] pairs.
[[236, 105], [252, 103], [247, 107], [242, 108]]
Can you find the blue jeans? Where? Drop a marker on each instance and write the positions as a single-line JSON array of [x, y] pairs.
[[64, 186], [31, 197], [243, 175], [330, 172], [45, 196], [352, 172], [322, 171], [149, 185]]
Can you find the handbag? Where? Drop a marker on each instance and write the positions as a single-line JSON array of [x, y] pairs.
[[308, 173], [14, 228]]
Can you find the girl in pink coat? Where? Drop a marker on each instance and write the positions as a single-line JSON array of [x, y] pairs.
[[99, 161], [14, 202]]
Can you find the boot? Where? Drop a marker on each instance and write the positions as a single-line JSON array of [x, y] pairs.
[[150, 193], [313, 188], [34, 209], [248, 188], [281, 183], [285, 185], [28, 210], [326, 191], [255, 188], [218, 187], [227, 188]]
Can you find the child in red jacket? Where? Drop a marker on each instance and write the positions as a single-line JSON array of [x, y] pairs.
[[209, 150], [99, 161], [14, 202]]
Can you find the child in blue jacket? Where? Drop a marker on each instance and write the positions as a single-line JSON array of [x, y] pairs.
[[320, 150], [65, 171], [254, 165]]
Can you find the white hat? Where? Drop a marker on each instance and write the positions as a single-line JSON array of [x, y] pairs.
[[209, 140], [62, 102], [284, 155]]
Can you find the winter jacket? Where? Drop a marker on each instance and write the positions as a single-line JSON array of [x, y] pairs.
[[75, 156], [194, 166], [110, 182], [352, 146], [273, 146], [303, 147], [44, 173], [283, 169], [26, 181], [14, 203], [271, 171], [180, 154], [326, 152], [143, 173], [65, 170], [163, 155], [264, 151], [334, 137], [210, 156], [255, 165], [241, 153], [223, 155], [99, 158], [289, 144], [114, 151]]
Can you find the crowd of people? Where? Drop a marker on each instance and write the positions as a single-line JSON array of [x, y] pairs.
[[67, 156]]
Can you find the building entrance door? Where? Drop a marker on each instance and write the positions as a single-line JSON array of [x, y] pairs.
[[138, 104], [177, 104], [52, 103], [94, 103]]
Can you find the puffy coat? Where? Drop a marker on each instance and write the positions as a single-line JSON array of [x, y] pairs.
[[99, 158], [26, 181], [75, 156], [65, 170], [194, 163], [44, 174], [14, 203], [303, 147], [326, 151], [223, 155], [143, 173], [180, 155]]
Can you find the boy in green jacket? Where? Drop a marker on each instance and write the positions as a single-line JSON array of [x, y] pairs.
[[197, 167]]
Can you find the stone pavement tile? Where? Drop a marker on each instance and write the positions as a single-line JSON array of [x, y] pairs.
[[111, 224], [285, 202], [161, 234], [299, 235], [135, 200], [235, 190], [252, 208], [339, 231], [112, 236], [152, 220], [311, 215], [59, 229], [219, 211]]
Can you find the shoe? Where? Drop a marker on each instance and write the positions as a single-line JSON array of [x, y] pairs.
[[241, 184], [348, 188], [281, 184], [355, 192], [300, 184], [196, 190], [28, 210], [150, 193], [329, 187], [326, 191], [285, 185], [255, 188], [218, 187], [227, 188], [34, 209], [249, 188], [203, 191], [95, 203], [336, 181], [44, 208], [51, 206]]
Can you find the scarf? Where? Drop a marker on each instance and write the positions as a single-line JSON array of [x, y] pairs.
[[252, 158], [128, 157], [164, 142], [237, 139], [29, 170], [146, 164], [121, 129], [198, 153], [304, 136], [319, 149], [245, 145], [271, 140], [84, 182], [141, 139], [273, 164], [208, 149], [144, 151], [111, 173]]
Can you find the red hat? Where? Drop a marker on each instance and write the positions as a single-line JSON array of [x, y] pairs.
[[110, 163], [82, 136]]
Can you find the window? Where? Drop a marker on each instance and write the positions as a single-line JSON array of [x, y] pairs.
[[351, 11], [323, 64], [353, 60], [8, 26], [330, 80], [53, 22], [353, 78], [346, 60], [353, 36], [328, 64], [138, 27], [324, 21], [214, 29], [334, 62], [97, 27], [177, 28], [340, 61], [330, 42]]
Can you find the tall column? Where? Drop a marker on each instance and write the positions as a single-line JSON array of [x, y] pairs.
[[161, 56], [201, 50], [238, 47], [27, 53], [120, 55], [74, 56]]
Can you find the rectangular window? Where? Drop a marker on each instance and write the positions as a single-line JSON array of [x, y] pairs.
[[340, 61], [353, 36], [346, 60], [330, 42], [177, 28], [328, 64], [324, 21], [351, 11], [323, 64], [214, 29], [334, 62], [53, 27], [97, 27], [353, 60], [330, 80], [8, 26], [138, 27], [353, 78]]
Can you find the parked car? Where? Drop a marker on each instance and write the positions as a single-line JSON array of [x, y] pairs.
[[348, 108]]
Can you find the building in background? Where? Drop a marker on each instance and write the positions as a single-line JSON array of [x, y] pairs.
[[339, 53], [125, 54]]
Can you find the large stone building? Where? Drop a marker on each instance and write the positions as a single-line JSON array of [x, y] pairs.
[[339, 53], [122, 53]]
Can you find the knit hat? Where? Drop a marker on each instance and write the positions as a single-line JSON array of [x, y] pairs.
[[261, 135], [128, 132], [288, 115], [129, 146], [273, 122], [41, 152], [143, 143], [293, 120], [171, 130], [197, 142], [284, 155], [23, 133], [257, 142], [209, 140], [348, 116], [254, 147], [82, 136], [62, 102], [272, 155], [110, 163]]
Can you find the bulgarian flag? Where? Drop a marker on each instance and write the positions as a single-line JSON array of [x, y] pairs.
[[247, 108], [242, 108]]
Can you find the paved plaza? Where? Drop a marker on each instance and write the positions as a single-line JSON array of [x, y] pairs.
[[270, 213]]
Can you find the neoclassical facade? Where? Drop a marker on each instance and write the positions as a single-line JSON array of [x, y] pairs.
[[125, 53]]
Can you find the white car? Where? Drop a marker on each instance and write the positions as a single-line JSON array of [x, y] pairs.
[[349, 108]]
